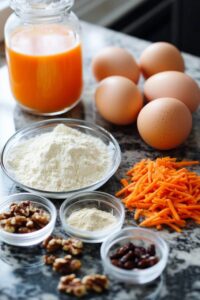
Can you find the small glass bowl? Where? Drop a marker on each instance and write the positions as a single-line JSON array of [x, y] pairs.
[[139, 237], [33, 238], [42, 127], [99, 200]]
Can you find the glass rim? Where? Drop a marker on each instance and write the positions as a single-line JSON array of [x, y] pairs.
[[41, 8]]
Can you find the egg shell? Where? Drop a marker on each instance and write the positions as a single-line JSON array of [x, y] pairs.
[[118, 100], [115, 61], [159, 57], [173, 84], [164, 123]]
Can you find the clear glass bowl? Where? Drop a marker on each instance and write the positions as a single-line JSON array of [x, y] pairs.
[[33, 238], [99, 200], [139, 237], [39, 128]]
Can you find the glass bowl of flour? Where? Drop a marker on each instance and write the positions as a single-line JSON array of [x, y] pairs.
[[60, 157]]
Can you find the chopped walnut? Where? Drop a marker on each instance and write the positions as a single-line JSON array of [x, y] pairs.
[[96, 282], [3, 222], [72, 246], [22, 208], [72, 285], [52, 244], [9, 228], [23, 217], [49, 259], [29, 223], [41, 219], [46, 241], [66, 265], [24, 230], [18, 220], [5, 215]]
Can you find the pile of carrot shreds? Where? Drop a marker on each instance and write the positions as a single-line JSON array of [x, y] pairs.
[[162, 192]]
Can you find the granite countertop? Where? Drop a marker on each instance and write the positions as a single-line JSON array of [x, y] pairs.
[[22, 273]]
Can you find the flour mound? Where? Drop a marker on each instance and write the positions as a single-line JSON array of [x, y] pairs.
[[91, 219], [62, 160]]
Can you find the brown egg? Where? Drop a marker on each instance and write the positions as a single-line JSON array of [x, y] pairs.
[[159, 57], [115, 61], [173, 84], [164, 123], [118, 100]]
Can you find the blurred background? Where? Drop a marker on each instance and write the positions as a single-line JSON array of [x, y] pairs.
[[175, 21]]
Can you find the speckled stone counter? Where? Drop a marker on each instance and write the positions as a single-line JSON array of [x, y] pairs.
[[22, 273]]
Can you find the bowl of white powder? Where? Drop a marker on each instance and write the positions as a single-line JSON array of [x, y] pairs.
[[92, 216], [59, 157]]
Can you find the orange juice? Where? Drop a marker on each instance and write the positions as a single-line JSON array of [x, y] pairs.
[[45, 68]]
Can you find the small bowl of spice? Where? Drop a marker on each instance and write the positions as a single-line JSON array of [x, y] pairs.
[[134, 255], [26, 219], [92, 216]]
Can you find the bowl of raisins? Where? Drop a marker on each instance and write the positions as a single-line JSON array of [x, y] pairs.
[[134, 255]]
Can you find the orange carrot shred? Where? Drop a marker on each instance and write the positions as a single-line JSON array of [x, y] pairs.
[[137, 214], [162, 192], [173, 210], [159, 227], [124, 182], [175, 227]]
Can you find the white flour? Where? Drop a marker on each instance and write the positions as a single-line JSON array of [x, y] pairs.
[[91, 219], [62, 160]]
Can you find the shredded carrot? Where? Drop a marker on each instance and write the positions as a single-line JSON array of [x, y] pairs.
[[138, 211], [159, 227], [162, 192], [124, 182], [175, 227], [173, 210]]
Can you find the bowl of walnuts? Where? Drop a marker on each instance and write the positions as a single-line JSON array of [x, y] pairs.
[[26, 219]]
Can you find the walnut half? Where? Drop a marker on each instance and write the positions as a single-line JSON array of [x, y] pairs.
[[72, 246], [66, 265], [96, 282], [52, 244], [71, 285], [49, 259], [75, 286]]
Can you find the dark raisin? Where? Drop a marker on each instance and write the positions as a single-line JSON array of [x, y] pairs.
[[143, 250], [151, 250], [137, 252], [127, 257], [115, 255], [129, 265], [117, 263], [152, 261], [120, 252], [131, 246], [136, 260], [143, 263], [144, 256]]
